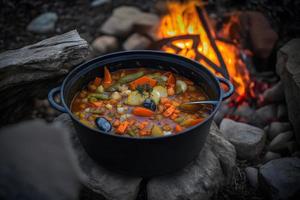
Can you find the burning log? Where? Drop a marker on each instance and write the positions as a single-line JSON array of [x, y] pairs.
[[30, 71]]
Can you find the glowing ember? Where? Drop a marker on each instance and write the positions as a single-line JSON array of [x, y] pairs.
[[183, 19]]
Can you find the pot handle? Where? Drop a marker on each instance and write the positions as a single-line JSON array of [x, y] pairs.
[[230, 91], [52, 102]]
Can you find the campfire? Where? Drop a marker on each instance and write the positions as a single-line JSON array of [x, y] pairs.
[[187, 30]]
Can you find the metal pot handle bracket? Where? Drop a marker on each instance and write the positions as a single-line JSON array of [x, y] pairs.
[[52, 102], [230, 91]]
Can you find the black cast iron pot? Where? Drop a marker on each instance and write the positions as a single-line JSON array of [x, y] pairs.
[[147, 156]]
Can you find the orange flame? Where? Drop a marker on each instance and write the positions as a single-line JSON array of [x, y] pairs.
[[183, 19]]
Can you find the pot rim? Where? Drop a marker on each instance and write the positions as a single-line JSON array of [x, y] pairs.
[[185, 131]]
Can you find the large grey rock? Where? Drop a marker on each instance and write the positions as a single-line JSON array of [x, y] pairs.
[[105, 44], [248, 140], [288, 68], [101, 181], [280, 178], [275, 93], [37, 162], [43, 23], [136, 42], [125, 19], [264, 116], [279, 143], [211, 169], [32, 70], [276, 128]]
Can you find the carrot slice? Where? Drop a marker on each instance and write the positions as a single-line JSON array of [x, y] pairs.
[[178, 128], [97, 103], [196, 121], [144, 133], [142, 81], [122, 127], [97, 81], [169, 111], [107, 78], [164, 100], [143, 112], [171, 82]]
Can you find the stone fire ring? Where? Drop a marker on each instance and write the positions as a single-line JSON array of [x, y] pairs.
[[211, 170]]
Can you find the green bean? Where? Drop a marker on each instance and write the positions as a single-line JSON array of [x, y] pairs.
[[102, 96], [130, 77], [114, 87]]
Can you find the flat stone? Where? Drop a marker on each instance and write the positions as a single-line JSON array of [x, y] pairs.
[[126, 19], [43, 23], [276, 128], [248, 140], [270, 156], [264, 115], [105, 44], [211, 169], [275, 93], [244, 112], [252, 176], [121, 22], [100, 181], [37, 162], [280, 178], [279, 143], [287, 67], [136, 42]]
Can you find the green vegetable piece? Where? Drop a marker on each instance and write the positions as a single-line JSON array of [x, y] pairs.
[[114, 87], [135, 98], [100, 89], [131, 132], [181, 86], [130, 77], [156, 131], [102, 96]]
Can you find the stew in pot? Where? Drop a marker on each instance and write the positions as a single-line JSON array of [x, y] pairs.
[[139, 102]]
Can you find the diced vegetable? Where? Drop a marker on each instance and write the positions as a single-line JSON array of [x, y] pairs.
[[178, 128], [181, 86], [158, 92], [122, 127], [97, 103], [191, 122], [142, 112], [171, 79], [102, 96], [103, 124], [97, 81], [100, 89], [142, 81], [107, 81], [135, 98], [169, 111], [131, 77], [150, 104], [116, 96], [156, 130]]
